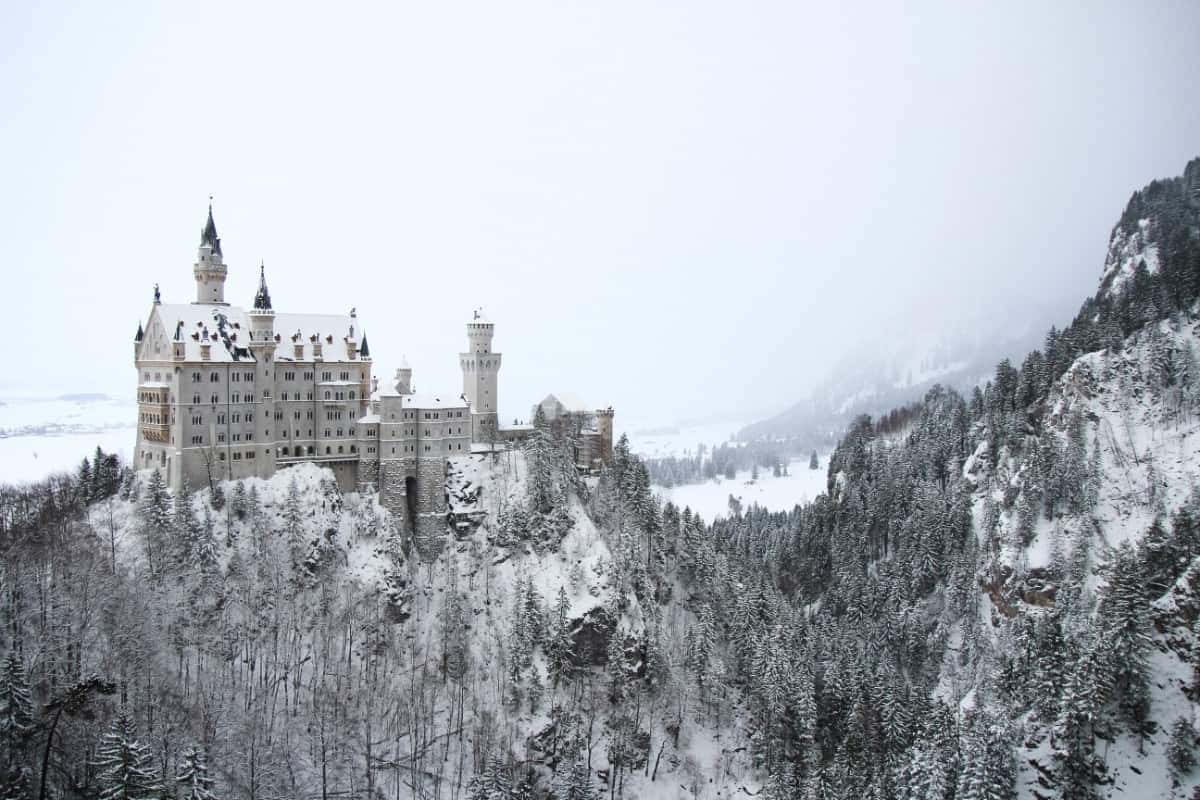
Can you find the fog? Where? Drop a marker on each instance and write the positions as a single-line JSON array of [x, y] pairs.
[[682, 210]]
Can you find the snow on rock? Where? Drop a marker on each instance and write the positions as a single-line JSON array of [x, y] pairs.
[[1126, 250]]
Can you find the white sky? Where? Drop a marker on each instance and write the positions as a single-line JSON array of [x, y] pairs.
[[677, 209]]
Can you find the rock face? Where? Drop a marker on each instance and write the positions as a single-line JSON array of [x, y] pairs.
[[590, 635]]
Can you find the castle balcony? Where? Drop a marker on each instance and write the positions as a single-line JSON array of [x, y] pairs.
[[153, 432]]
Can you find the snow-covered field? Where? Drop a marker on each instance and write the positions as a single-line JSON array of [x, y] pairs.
[[680, 440], [43, 435], [20, 415], [24, 459], [711, 499]]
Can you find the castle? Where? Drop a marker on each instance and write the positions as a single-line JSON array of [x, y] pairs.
[[227, 393]]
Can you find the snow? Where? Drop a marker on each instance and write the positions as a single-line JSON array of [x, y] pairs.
[[200, 318], [43, 435], [66, 414], [1124, 253], [681, 440], [422, 400], [24, 459], [710, 499]]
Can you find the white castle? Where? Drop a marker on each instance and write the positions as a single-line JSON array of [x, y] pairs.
[[225, 393]]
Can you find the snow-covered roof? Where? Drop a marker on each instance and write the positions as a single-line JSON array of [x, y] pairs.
[[369, 419], [569, 402], [227, 330], [428, 400]]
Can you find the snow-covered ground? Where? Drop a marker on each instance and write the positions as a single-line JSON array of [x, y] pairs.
[[711, 498], [680, 440], [67, 413], [43, 435], [24, 459]]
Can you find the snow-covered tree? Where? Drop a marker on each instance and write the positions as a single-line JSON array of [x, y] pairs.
[[192, 776], [125, 766]]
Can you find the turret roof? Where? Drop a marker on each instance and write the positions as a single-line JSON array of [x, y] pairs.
[[208, 236], [262, 299]]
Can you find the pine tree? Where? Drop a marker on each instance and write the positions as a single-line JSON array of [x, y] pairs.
[[1181, 750], [154, 515], [293, 517], [575, 784], [493, 782], [813, 463], [1125, 611], [559, 643], [124, 765], [192, 776], [540, 458], [186, 529]]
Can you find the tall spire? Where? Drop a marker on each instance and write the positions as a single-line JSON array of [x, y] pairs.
[[208, 237], [262, 300]]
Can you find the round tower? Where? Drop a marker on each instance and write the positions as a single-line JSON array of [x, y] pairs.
[[480, 367], [209, 269], [262, 347]]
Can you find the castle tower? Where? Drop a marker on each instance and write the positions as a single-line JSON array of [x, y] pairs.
[[210, 265], [604, 424], [404, 377], [262, 346], [480, 365]]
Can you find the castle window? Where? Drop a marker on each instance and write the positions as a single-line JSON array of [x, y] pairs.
[[220, 419], [352, 395], [327, 395], [237, 456], [284, 451], [195, 377], [222, 456], [196, 399], [339, 448], [353, 448], [250, 454], [214, 399], [328, 451], [234, 377], [214, 378], [220, 437]]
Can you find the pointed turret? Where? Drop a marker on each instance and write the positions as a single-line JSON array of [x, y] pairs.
[[364, 351], [137, 337], [262, 300], [209, 269], [208, 236]]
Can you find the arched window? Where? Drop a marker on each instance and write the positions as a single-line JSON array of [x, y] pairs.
[[327, 450], [285, 451]]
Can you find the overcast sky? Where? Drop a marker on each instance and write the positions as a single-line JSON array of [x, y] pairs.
[[676, 209]]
